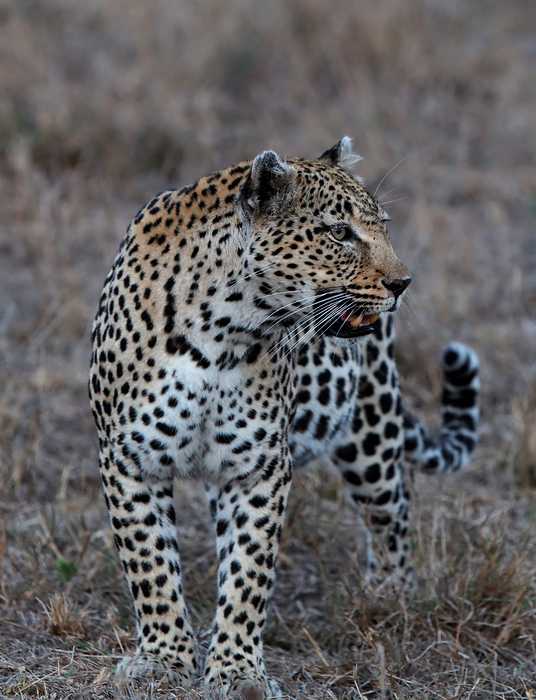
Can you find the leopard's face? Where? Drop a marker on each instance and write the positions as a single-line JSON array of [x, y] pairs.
[[319, 243]]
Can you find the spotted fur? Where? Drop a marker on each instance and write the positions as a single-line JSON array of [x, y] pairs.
[[226, 348]]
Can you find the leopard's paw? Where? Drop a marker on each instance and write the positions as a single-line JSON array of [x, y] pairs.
[[146, 666], [254, 689], [234, 684]]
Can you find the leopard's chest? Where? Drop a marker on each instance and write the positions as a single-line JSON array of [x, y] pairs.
[[215, 423], [221, 423]]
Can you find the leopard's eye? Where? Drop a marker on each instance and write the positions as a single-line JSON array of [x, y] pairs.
[[343, 233]]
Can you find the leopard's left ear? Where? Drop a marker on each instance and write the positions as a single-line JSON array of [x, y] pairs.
[[341, 154], [268, 186]]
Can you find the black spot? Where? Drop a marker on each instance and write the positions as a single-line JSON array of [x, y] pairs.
[[224, 439], [391, 430], [370, 443], [380, 520], [366, 388], [324, 396], [253, 353], [148, 320], [324, 377], [382, 373], [258, 501], [348, 453], [161, 580], [157, 445], [168, 430], [150, 520], [352, 478], [221, 527], [357, 423], [235, 296], [146, 588], [301, 423], [383, 498], [241, 520], [321, 427], [235, 567], [373, 473], [141, 498], [386, 402], [371, 416]]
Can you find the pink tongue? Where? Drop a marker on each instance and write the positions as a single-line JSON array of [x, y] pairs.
[[366, 320], [348, 317]]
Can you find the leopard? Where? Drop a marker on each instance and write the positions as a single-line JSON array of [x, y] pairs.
[[246, 329]]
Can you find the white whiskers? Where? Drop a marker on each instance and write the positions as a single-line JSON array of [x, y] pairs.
[[329, 309], [387, 174]]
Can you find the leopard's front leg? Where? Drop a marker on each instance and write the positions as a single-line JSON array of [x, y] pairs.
[[142, 515], [249, 517]]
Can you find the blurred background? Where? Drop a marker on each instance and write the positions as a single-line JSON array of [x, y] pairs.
[[103, 103]]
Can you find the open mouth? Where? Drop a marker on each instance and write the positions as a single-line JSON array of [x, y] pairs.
[[351, 325]]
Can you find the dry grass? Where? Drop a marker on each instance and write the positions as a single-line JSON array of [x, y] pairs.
[[106, 102]]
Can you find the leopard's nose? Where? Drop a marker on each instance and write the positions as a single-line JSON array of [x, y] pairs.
[[396, 287]]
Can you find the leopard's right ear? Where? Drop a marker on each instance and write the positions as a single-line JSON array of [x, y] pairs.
[[268, 186], [341, 154]]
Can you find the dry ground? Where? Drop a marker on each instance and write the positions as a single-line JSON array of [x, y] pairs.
[[105, 102]]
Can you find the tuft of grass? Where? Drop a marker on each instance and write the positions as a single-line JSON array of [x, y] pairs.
[[63, 619]]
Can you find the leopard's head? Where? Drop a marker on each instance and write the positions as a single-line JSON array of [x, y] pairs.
[[318, 244]]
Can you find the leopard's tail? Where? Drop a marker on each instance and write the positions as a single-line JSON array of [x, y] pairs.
[[451, 449]]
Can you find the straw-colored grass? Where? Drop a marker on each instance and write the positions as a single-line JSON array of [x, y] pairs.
[[105, 102]]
